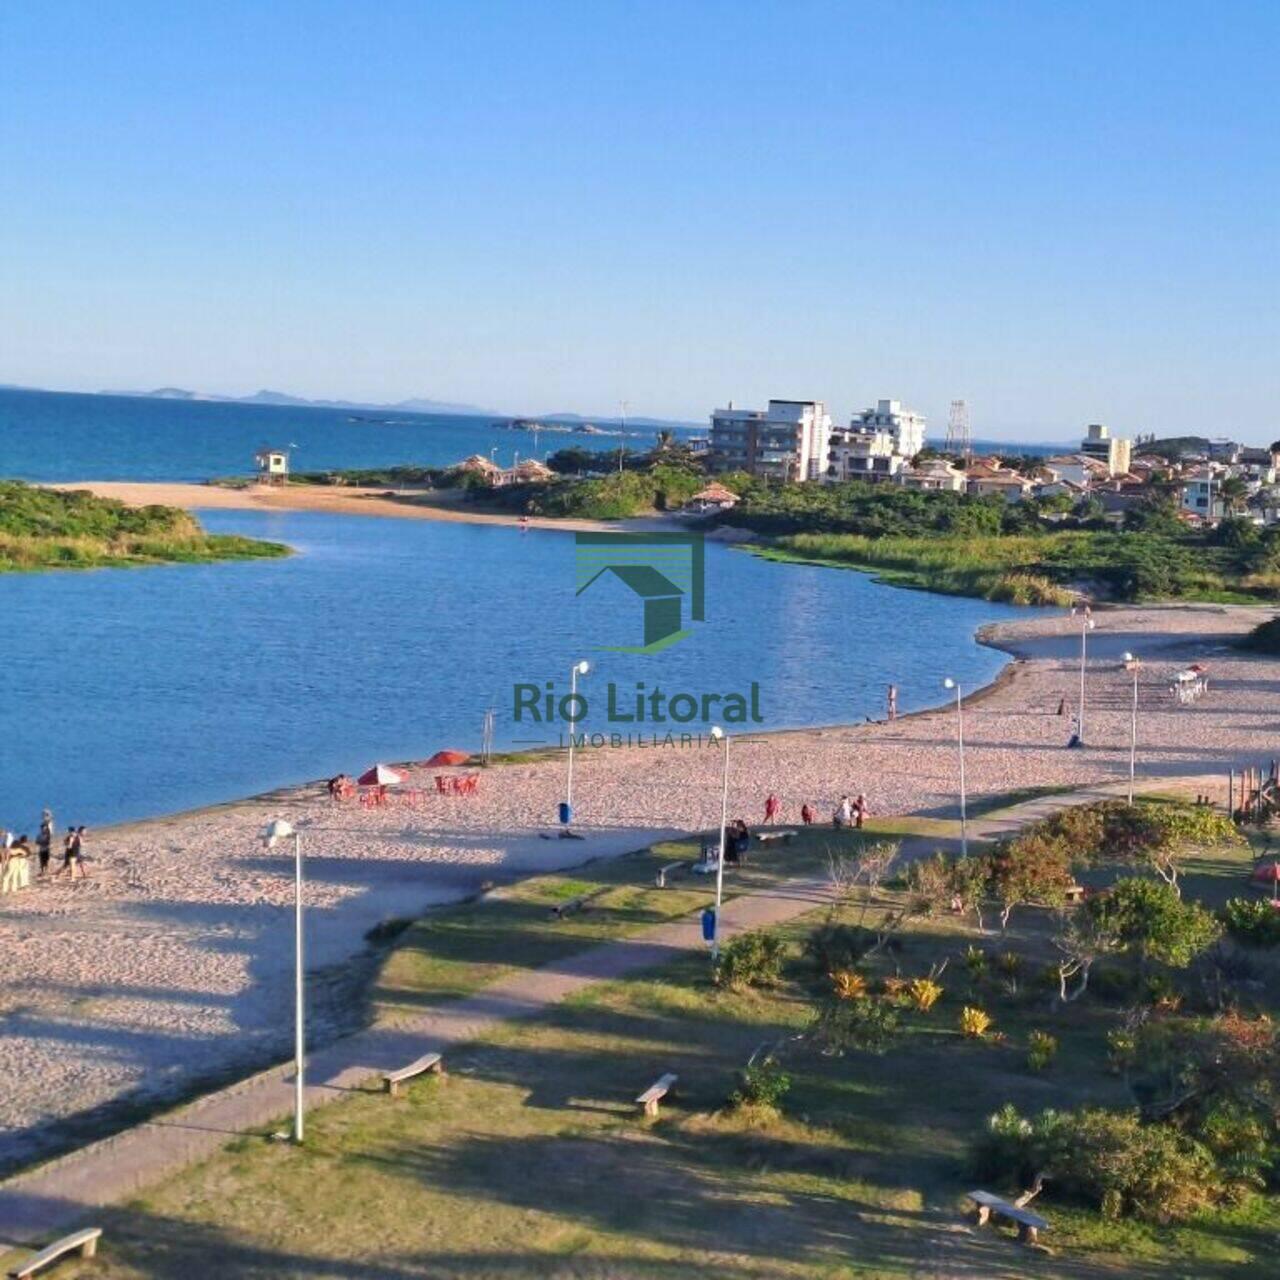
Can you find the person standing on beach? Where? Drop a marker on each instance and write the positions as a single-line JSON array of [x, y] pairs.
[[891, 702], [44, 840], [843, 815], [860, 811], [806, 814], [771, 807]]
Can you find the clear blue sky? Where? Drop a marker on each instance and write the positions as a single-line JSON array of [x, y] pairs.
[[1065, 212]]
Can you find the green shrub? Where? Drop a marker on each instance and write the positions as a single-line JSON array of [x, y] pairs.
[[1252, 921], [833, 948], [1042, 1048], [1107, 1159], [761, 1084], [752, 960], [867, 1025], [1264, 638]]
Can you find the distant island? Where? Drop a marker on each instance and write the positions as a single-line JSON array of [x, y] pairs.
[[285, 400]]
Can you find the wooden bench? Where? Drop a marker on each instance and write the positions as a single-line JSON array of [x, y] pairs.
[[85, 1241], [766, 837], [670, 869], [1075, 893], [428, 1062], [1029, 1224], [649, 1099], [562, 909]]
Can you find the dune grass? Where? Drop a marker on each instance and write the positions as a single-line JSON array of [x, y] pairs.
[[54, 529]]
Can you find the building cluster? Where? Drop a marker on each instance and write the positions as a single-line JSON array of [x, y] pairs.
[[795, 440]]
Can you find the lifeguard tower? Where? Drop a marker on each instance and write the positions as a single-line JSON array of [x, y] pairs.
[[273, 466]]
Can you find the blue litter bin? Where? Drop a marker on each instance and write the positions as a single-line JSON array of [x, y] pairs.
[[566, 812], [709, 925]]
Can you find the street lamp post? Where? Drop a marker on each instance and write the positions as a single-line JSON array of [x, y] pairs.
[[1135, 665], [949, 683], [719, 735], [1086, 625], [566, 815], [274, 832]]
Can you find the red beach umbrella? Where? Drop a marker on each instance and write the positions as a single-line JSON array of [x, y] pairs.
[[448, 758], [380, 775]]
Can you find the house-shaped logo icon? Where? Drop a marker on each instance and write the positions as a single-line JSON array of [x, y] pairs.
[[661, 569]]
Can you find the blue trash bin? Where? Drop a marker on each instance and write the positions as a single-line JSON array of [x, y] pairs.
[[566, 812], [709, 925]]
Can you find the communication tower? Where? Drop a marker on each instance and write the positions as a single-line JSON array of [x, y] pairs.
[[958, 438]]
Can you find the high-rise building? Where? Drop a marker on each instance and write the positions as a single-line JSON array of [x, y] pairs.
[[783, 442], [877, 444], [1113, 451]]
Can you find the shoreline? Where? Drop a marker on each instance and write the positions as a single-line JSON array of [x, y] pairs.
[[346, 500], [176, 951]]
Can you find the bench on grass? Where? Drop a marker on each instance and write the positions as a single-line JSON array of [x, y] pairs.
[[1029, 1224], [85, 1241], [767, 837], [649, 1099], [428, 1062], [574, 905], [669, 870]]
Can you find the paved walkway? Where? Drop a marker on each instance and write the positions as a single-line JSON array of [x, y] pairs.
[[47, 1200]]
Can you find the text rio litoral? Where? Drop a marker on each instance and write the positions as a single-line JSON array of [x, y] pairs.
[[635, 704]]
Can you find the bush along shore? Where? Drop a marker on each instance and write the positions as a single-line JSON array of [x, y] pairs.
[[53, 529]]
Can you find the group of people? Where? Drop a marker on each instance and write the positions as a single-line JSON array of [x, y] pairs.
[[16, 853], [850, 812]]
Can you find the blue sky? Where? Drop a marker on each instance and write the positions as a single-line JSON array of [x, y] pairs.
[[1065, 212]]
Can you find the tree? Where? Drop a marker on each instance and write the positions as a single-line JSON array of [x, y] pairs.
[[1028, 869], [1233, 491], [1147, 919]]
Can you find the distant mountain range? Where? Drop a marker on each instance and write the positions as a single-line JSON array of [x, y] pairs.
[[417, 404], [283, 399]]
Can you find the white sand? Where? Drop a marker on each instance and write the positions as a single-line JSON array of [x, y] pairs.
[[173, 960]]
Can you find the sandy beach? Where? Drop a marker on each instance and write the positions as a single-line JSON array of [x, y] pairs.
[[409, 504], [171, 963]]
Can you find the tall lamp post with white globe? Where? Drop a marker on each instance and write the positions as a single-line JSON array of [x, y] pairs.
[[1135, 665], [719, 735], [272, 834], [566, 810], [949, 683]]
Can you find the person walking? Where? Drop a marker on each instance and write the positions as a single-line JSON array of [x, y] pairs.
[[771, 806], [806, 814], [891, 702], [860, 810], [44, 840], [843, 815]]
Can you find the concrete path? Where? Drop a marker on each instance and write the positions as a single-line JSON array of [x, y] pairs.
[[45, 1201]]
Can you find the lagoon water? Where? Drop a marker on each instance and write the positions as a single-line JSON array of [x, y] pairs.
[[127, 693]]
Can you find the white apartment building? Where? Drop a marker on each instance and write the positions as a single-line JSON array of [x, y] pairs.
[[1112, 451], [877, 444], [784, 442]]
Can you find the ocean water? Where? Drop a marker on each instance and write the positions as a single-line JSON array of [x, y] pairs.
[[127, 693], [55, 437]]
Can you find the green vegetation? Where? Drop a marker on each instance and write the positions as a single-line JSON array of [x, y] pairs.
[[819, 1130], [643, 488], [1023, 553], [1264, 638], [55, 529]]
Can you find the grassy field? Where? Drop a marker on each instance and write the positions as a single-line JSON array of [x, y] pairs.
[[1037, 569], [532, 1161], [49, 529]]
